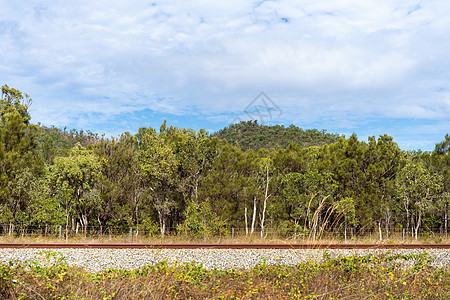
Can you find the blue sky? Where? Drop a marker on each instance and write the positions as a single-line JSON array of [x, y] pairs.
[[363, 66]]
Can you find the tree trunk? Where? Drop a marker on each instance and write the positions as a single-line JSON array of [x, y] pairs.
[[100, 225], [407, 216], [246, 221], [254, 216], [85, 223], [387, 229], [345, 232], [263, 216], [136, 211], [379, 230], [67, 220], [162, 222], [266, 196], [416, 229]]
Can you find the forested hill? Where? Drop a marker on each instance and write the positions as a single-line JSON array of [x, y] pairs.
[[54, 141], [251, 135]]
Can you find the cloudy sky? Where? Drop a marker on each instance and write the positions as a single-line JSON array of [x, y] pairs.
[[368, 67]]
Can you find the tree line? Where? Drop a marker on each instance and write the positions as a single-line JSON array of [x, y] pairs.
[[181, 180]]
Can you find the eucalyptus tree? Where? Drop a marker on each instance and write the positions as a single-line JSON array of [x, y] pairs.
[[196, 152], [228, 186], [366, 172], [303, 181], [19, 157], [264, 175], [419, 189], [44, 209], [159, 171], [120, 187], [381, 162], [75, 181], [440, 164]]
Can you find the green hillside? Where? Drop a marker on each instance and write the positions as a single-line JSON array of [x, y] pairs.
[[54, 141], [251, 135]]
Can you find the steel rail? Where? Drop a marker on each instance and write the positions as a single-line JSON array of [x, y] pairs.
[[219, 246]]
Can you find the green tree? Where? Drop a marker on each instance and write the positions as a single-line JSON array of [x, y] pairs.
[[159, 166], [75, 180], [440, 165], [226, 186], [381, 162], [418, 189], [120, 187], [44, 209], [196, 152], [19, 157]]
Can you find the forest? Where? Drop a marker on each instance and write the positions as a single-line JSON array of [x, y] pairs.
[[177, 180]]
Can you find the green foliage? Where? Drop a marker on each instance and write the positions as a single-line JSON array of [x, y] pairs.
[[49, 265], [55, 142], [6, 281], [159, 166], [75, 181], [18, 152], [150, 226], [419, 190], [120, 185], [251, 135], [202, 222], [346, 207], [44, 208]]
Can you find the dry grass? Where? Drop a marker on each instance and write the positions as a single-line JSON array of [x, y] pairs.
[[370, 277], [395, 238]]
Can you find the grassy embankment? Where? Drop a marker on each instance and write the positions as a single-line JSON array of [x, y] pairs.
[[368, 277]]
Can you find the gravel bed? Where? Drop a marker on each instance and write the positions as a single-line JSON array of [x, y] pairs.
[[95, 260]]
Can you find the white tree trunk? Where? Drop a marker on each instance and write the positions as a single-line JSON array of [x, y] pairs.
[[345, 232], [254, 216], [246, 221], [416, 229], [162, 223], [85, 223], [263, 215], [266, 196], [380, 232]]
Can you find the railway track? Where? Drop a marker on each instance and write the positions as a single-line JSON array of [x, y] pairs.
[[220, 246]]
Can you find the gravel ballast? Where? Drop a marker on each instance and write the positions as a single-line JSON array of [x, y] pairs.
[[95, 260]]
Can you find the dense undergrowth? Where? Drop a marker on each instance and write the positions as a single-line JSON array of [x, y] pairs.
[[365, 277]]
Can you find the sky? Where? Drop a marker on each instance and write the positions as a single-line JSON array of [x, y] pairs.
[[368, 67]]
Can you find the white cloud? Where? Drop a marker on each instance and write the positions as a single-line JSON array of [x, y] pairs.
[[343, 61]]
